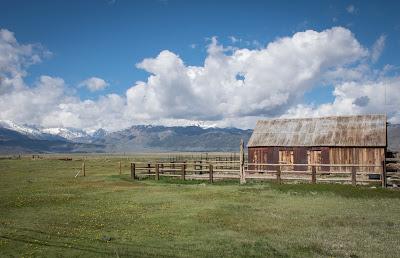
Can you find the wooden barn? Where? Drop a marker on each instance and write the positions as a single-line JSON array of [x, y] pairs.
[[360, 139]]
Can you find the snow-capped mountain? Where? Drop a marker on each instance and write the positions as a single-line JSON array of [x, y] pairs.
[[99, 133], [67, 133], [30, 131], [37, 132], [16, 138], [22, 129]]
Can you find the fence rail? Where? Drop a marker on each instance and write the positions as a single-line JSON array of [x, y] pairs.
[[217, 170]]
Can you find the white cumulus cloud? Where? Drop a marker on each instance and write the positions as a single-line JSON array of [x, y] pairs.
[[380, 96], [94, 84], [270, 80]]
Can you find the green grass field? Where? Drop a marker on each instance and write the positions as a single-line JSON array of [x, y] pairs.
[[45, 211]]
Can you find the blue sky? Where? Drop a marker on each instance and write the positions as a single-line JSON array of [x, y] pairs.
[[106, 39]]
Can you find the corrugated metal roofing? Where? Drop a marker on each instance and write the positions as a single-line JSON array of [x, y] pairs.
[[360, 130]]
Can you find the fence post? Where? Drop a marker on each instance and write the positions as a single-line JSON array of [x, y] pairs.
[[148, 168], [119, 168], [241, 170], [157, 171], [313, 174], [183, 171], [83, 168], [353, 176], [211, 173], [133, 176], [384, 178], [278, 174]]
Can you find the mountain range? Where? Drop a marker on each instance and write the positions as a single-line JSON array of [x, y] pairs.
[[16, 138]]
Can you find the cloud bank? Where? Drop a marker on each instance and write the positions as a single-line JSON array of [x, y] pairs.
[[234, 86]]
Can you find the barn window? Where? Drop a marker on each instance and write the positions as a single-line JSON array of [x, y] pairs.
[[286, 157], [314, 157], [260, 157]]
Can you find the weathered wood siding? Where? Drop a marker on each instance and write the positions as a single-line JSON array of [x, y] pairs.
[[316, 155], [364, 156]]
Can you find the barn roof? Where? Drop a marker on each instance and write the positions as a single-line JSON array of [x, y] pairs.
[[356, 131]]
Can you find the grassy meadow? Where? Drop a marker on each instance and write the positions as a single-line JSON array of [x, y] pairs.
[[46, 211]]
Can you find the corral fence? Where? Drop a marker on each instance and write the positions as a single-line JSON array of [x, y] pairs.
[[216, 170], [393, 172]]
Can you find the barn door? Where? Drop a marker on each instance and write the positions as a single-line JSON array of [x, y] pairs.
[[286, 157], [257, 159], [314, 157]]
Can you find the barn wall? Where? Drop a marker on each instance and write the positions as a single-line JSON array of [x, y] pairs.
[[367, 156], [329, 155]]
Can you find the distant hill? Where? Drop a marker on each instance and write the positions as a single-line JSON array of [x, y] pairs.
[[185, 138], [16, 138]]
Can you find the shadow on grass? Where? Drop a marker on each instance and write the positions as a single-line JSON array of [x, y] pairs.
[[179, 181], [347, 191], [174, 181], [94, 246]]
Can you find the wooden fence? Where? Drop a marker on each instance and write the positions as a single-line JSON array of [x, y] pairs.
[[217, 170]]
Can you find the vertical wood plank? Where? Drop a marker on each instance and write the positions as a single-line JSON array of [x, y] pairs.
[[133, 176], [183, 171], [353, 176], [241, 170], [157, 172], [278, 174], [313, 174], [325, 158], [383, 173], [211, 173]]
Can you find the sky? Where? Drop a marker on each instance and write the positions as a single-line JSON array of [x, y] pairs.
[[112, 64]]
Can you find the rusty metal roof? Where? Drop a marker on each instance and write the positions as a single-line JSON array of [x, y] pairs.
[[357, 131]]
